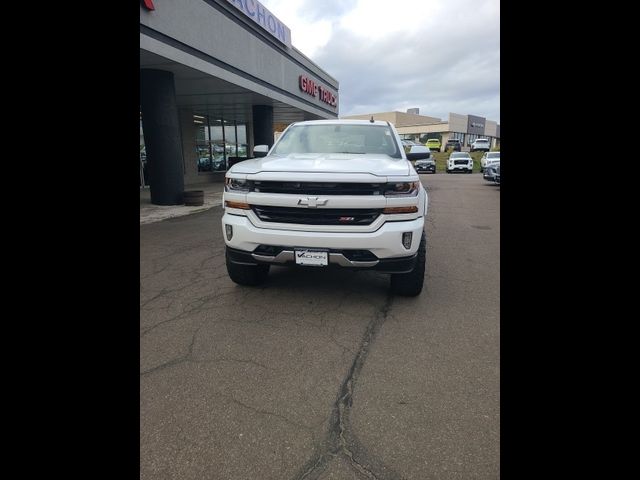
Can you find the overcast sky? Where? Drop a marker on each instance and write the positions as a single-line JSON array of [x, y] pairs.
[[438, 55]]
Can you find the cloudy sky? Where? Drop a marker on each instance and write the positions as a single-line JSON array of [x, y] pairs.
[[439, 55]]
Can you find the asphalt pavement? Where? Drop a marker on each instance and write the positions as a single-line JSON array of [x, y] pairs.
[[321, 373]]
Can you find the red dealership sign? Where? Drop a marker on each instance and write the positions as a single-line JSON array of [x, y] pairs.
[[148, 4], [310, 87]]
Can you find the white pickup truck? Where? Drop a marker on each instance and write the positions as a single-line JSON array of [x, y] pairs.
[[329, 193]]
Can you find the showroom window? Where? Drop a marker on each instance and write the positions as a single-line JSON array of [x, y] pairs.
[[458, 136], [236, 141], [144, 180], [203, 145], [219, 143]]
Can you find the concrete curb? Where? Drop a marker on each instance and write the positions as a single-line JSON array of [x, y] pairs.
[[157, 213]]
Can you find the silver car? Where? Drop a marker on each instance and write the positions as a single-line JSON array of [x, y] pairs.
[[488, 158], [492, 173]]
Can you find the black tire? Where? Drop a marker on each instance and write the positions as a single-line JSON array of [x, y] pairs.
[[410, 284], [250, 275], [193, 198]]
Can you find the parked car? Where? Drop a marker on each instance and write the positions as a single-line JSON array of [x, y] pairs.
[[453, 144], [218, 163], [488, 158], [427, 164], [460, 162], [407, 144], [434, 144], [491, 171], [204, 164], [481, 144]]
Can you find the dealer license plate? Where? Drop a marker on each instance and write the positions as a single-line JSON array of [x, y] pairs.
[[312, 257]]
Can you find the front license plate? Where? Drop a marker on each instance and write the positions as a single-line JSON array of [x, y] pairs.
[[312, 257]]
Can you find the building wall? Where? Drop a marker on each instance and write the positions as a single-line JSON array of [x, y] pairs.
[[398, 119], [476, 125], [458, 123], [490, 128], [382, 116], [420, 129], [222, 32], [403, 119]]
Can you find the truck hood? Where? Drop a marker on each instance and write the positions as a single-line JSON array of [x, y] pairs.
[[375, 164]]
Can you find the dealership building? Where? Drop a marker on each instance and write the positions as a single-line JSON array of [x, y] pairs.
[[218, 77], [466, 128]]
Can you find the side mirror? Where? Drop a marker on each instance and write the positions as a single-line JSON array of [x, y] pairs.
[[418, 152], [260, 151]]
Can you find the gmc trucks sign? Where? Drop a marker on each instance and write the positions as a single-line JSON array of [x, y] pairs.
[[310, 87]]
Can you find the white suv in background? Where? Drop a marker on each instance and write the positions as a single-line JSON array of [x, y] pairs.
[[460, 162], [489, 158], [481, 144]]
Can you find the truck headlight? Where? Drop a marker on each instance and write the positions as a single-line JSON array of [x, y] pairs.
[[404, 189], [237, 185]]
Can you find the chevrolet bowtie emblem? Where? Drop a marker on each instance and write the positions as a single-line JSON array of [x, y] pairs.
[[312, 202]]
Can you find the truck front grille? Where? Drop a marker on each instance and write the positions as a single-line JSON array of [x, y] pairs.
[[319, 188], [317, 216]]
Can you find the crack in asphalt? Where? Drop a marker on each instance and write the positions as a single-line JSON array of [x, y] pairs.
[[175, 361], [162, 293], [196, 306], [180, 316], [271, 414], [186, 359], [339, 440]]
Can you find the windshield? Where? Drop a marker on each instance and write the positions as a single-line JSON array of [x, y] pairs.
[[336, 138], [482, 141], [493, 155], [460, 155]]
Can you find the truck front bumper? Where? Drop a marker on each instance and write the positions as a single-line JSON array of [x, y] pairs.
[[379, 250]]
